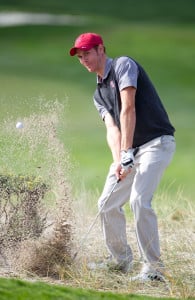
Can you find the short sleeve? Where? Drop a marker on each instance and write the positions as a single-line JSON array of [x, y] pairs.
[[126, 71], [101, 109]]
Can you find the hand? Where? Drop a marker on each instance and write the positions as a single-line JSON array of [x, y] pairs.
[[127, 159], [121, 173]]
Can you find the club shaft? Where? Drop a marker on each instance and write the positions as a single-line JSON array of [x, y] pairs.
[[94, 221]]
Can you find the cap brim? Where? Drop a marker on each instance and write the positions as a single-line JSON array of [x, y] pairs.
[[73, 51]]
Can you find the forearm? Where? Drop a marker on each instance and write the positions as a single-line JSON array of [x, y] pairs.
[[113, 138], [127, 117], [127, 120]]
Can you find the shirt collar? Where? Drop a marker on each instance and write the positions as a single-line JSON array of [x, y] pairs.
[[106, 70]]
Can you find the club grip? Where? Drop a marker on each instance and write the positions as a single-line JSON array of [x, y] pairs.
[[134, 153]]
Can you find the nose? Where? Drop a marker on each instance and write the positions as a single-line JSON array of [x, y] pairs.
[[84, 59]]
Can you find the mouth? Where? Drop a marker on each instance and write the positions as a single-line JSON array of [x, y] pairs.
[[88, 67]]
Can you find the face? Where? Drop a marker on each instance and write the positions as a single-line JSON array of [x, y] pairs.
[[92, 59]]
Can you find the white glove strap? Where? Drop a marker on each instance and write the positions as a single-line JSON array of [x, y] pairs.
[[127, 159]]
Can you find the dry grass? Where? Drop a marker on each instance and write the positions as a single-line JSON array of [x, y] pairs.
[[48, 257], [177, 235], [37, 149]]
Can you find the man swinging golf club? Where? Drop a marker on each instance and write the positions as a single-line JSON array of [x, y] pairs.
[[134, 117]]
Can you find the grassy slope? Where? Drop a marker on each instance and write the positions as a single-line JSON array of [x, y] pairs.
[[19, 290]]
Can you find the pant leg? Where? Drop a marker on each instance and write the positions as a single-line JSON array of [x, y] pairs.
[[152, 160], [113, 218]]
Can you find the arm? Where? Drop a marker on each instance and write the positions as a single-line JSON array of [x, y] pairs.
[[113, 137], [127, 121], [127, 117], [122, 140]]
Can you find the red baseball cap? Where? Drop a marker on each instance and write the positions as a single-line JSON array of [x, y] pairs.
[[85, 42]]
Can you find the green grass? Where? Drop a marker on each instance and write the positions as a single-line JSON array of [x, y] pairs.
[[13, 289], [172, 11]]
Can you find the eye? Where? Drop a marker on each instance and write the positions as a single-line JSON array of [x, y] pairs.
[[79, 56]]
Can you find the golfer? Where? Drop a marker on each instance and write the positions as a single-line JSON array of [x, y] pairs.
[[135, 118]]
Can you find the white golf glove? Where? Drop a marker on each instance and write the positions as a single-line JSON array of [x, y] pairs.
[[127, 159]]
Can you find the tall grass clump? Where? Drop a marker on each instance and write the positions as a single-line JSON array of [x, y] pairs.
[[177, 228], [36, 214]]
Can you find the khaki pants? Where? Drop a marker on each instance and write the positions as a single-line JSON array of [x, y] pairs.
[[139, 186]]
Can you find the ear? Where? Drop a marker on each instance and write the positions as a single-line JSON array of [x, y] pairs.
[[101, 48]]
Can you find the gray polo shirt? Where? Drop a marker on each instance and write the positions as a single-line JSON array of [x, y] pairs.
[[126, 72]]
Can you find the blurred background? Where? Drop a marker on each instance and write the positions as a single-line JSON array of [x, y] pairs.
[[35, 67]]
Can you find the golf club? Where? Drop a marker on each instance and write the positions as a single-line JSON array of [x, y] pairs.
[[98, 214], [93, 223]]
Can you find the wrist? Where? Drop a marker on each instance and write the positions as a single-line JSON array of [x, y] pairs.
[[117, 162], [129, 150], [127, 158]]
